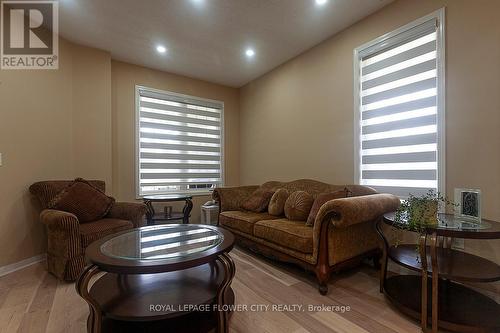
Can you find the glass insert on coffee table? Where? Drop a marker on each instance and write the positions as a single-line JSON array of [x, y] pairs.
[[438, 296], [161, 277]]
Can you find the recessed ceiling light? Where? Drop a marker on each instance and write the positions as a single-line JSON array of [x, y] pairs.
[[249, 53], [198, 2], [161, 49], [321, 2]]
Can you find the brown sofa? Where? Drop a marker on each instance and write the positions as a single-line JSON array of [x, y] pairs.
[[343, 232], [67, 238]]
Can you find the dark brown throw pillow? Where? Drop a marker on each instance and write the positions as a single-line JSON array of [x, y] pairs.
[[258, 200], [298, 205], [321, 199], [85, 201], [277, 203]]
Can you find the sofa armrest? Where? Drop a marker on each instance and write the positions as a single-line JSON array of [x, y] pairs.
[[231, 198], [130, 211], [348, 211]]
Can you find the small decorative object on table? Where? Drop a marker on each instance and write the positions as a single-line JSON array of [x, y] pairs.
[[469, 204]]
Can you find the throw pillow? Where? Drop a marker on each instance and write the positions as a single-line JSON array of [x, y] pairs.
[[298, 205], [321, 199], [85, 201], [277, 203], [258, 200]]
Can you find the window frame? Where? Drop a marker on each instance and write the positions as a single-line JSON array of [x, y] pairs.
[[377, 45], [138, 88]]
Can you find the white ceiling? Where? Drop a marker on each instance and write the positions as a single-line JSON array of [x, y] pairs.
[[206, 39]]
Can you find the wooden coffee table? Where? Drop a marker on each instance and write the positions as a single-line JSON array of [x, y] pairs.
[[160, 278], [438, 295]]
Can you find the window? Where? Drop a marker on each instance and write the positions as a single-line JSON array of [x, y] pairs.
[[399, 109], [179, 143]]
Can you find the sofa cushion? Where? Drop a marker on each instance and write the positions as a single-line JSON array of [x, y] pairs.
[[277, 203], [85, 201], [258, 200], [93, 231], [298, 205], [320, 200], [291, 234], [242, 221]]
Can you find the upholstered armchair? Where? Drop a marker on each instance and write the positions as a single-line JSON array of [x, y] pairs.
[[68, 238]]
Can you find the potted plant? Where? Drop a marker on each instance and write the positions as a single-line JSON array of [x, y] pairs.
[[417, 213]]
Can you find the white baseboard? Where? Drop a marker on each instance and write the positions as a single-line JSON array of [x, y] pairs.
[[4, 270]]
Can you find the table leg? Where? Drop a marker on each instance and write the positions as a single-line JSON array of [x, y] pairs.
[[423, 259], [95, 316], [229, 271], [385, 247], [435, 282], [187, 211], [150, 211]]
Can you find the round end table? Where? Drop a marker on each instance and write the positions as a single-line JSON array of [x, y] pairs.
[[446, 303], [152, 216], [164, 276]]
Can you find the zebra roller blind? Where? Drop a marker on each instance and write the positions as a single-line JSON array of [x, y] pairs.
[[179, 146], [398, 111]]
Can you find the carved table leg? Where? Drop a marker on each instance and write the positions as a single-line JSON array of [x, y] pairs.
[[186, 211], [150, 211], [95, 316], [435, 282], [229, 271], [423, 259], [385, 247]]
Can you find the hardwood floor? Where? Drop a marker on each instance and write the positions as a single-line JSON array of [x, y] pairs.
[[31, 300]]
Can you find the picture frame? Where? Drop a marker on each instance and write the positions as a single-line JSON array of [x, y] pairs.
[[468, 203]]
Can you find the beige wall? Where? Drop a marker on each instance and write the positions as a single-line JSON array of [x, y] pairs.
[[78, 121], [91, 121], [41, 112], [124, 79], [297, 121]]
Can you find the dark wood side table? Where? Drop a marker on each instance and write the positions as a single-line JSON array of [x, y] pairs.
[[152, 217], [171, 277], [435, 296]]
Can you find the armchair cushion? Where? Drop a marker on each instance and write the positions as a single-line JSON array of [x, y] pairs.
[[92, 231], [294, 235], [85, 201], [45, 191]]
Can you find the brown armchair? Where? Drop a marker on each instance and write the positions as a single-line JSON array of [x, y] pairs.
[[67, 238]]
